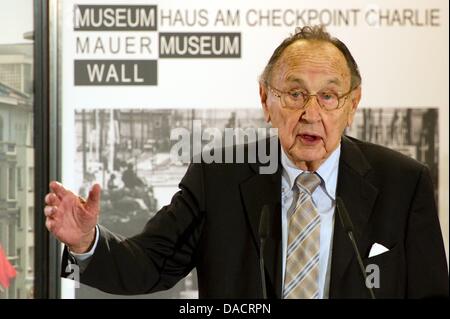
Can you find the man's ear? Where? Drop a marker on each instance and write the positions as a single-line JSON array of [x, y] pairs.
[[263, 98], [354, 102]]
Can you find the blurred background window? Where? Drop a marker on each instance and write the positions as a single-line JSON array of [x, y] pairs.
[[16, 150]]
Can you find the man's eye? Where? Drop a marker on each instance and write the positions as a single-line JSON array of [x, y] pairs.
[[328, 96], [296, 94]]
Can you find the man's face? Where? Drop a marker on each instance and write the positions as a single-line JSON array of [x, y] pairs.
[[310, 135]]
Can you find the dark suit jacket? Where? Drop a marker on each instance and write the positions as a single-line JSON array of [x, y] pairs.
[[212, 224]]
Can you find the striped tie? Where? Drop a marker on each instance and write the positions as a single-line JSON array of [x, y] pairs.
[[302, 263]]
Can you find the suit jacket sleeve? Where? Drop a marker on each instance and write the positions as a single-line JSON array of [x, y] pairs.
[[427, 266], [161, 255]]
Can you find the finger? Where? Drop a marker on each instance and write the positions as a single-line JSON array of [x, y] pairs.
[[58, 189], [93, 201], [49, 211], [49, 224], [52, 200]]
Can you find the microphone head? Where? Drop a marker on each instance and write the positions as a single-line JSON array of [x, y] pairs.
[[264, 222], [344, 216]]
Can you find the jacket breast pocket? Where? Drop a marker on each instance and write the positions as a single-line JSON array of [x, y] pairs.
[[383, 258]]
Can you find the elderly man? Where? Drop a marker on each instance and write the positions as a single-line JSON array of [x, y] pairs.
[[309, 90]]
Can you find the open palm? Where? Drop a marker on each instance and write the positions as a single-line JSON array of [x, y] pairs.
[[70, 218]]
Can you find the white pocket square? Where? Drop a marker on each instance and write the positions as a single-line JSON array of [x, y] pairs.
[[377, 249]]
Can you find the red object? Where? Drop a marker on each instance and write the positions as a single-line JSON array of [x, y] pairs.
[[7, 271]]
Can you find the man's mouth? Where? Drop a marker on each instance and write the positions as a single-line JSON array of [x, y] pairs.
[[309, 139]]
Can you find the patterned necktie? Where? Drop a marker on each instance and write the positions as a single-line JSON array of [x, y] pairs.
[[302, 262]]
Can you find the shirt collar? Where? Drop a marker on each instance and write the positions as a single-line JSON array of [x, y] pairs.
[[327, 171]]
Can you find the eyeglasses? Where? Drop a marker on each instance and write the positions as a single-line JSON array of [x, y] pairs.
[[298, 100]]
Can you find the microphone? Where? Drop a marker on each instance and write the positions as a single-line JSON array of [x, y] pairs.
[[263, 235], [348, 228]]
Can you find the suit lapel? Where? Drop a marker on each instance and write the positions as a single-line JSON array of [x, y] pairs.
[[353, 187], [257, 191], [359, 196]]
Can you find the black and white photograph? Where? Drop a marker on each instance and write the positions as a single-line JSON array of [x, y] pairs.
[[410, 131]]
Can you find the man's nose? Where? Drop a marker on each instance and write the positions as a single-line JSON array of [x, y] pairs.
[[312, 109]]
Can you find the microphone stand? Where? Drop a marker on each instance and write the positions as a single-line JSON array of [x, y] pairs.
[[263, 234], [348, 228]]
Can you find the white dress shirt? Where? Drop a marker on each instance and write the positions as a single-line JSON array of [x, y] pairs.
[[324, 198], [85, 256]]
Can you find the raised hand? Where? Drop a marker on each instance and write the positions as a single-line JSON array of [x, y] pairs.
[[70, 218]]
